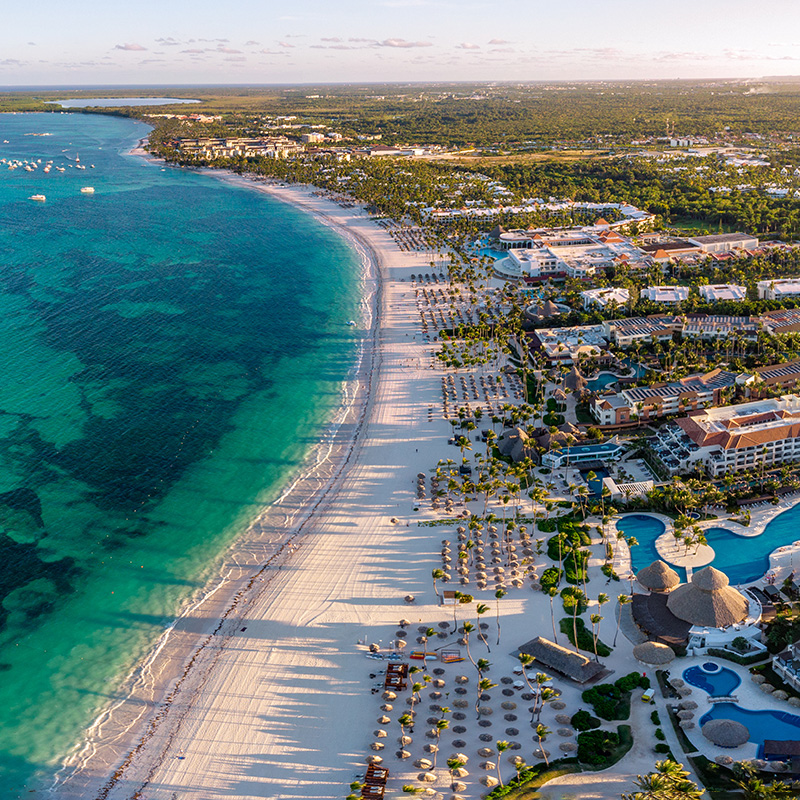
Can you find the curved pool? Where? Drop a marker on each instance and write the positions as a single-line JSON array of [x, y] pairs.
[[719, 682], [780, 725], [744, 559]]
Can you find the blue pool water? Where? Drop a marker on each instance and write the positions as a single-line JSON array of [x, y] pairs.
[[601, 381], [646, 529], [721, 683], [780, 725], [596, 485], [743, 559]]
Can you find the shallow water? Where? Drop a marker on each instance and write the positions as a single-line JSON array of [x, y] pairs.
[[171, 346]]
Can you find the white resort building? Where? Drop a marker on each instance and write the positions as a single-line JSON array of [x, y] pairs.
[[666, 295], [716, 292], [778, 288], [605, 297], [732, 438]]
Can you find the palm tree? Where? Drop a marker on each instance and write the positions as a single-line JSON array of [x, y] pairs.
[[483, 686], [467, 629], [427, 635], [482, 608], [499, 595], [596, 619], [441, 725], [501, 746], [622, 600], [553, 593], [542, 732], [405, 719], [669, 781], [437, 575]]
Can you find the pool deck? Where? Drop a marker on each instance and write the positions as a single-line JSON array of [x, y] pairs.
[[749, 697]]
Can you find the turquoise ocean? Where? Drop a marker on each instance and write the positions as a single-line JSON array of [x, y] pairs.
[[170, 349]]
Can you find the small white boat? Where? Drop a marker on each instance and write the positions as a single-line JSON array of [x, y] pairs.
[[352, 322], [38, 197], [87, 190]]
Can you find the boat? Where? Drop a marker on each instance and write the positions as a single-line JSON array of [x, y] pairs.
[[351, 323], [38, 197], [87, 190]]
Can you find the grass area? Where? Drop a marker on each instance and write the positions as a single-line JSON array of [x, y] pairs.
[[610, 755], [612, 701], [584, 417], [551, 419], [533, 778], [585, 641]]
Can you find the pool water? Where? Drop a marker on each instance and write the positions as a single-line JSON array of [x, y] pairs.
[[601, 381], [646, 529], [744, 559], [596, 485], [720, 683], [779, 725]]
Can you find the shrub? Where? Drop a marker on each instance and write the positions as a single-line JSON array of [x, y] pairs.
[[604, 698], [608, 571], [661, 748], [583, 721], [741, 644], [660, 735], [595, 747], [627, 683], [572, 595], [549, 578], [654, 718], [744, 660], [547, 525]]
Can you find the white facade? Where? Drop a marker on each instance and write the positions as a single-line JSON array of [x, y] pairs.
[[604, 297], [666, 295], [715, 292], [778, 288]]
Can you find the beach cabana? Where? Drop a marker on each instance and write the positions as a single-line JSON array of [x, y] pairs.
[[708, 601], [658, 577], [572, 665], [725, 732], [653, 653]]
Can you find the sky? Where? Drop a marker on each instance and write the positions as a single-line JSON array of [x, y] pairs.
[[86, 42]]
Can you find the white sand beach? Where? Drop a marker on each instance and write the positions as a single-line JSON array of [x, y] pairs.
[[264, 689]]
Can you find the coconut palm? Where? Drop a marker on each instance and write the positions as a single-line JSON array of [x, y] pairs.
[[467, 628], [437, 575], [483, 686], [596, 619], [553, 593], [441, 725], [482, 608], [501, 746], [669, 781], [622, 600], [542, 732], [404, 720]]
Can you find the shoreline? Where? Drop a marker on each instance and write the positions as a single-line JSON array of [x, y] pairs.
[[179, 660]]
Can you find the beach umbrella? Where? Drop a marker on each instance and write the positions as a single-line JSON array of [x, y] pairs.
[[558, 705], [387, 707], [427, 777], [724, 761], [540, 753], [687, 705], [423, 763], [780, 694], [486, 752], [767, 688], [387, 695], [685, 715], [686, 724], [404, 740], [384, 720], [458, 786], [564, 719], [460, 772], [462, 679], [404, 623], [462, 758], [373, 760], [684, 691], [377, 745], [380, 733], [489, 780], [431, 748], [487, 765], [677, 682], [757, 679], [508, 705], [565, 732], [403, 754], [567, 747], [485, 711]]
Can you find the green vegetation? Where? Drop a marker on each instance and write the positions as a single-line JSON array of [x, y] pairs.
[[550, 578], [531, 778], [585, 640], [573, 596], [600, 749], [612, 701], [582, 720]]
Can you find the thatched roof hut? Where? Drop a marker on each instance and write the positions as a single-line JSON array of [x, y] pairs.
[[658, 577], [514, 444], [575, 381], [708, 601], [653, 653], [569, 663], [725, 732], [549, 309]]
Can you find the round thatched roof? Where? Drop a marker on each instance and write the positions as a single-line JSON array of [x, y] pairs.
[[708, 601], [653, 653], [574, 380], [725, 732], [658, 577]]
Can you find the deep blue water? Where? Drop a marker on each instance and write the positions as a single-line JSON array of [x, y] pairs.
[[780, 725], [121, 102], [719, 684], [170, 349]]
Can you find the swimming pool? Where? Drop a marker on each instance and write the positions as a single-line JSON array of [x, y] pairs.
[[780, 725], [744, 559], [646, 529], [721, 682]]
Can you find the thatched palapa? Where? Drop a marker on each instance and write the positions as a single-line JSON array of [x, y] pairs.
[[653, 653], [708, 601], [658, 577], [725, 732], [569, 663]]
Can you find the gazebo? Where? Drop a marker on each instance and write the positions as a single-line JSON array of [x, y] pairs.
[[653, 653], [658, 577], [708, 601], [725, 732]]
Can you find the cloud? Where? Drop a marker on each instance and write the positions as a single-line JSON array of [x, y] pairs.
[[359, 39], [168, 41], [32, 44], [193, 50], [230, 50], [10, 62], [330, 39], [468, 46], [285, 44], [236, 58], [251, 43], [131, 46], [499, 41], [402, 43]]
